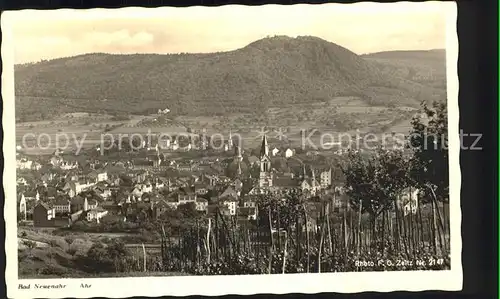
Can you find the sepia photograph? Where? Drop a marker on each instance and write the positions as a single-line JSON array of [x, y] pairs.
[[275, 148]]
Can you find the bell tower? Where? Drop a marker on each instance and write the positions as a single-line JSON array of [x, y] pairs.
[[265, 178]]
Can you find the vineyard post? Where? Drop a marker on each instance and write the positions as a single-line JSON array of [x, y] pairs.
[[322, 234], [398, 226], [208, 239], [383, 232], [436, 227], [216, 235], [307, 236], [345, 234], [198, 249], [445, 223], [359, 227], [412, 235], [164, 246], [420, 228], [271, 240], [297, 238], [284, 252], [405, 232], [330, 243], [144, 254], [257, 246], [352, 234], [278, 223]]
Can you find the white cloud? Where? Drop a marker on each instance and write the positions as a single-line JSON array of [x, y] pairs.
[[361, 27], [121, 38], [139, 39]]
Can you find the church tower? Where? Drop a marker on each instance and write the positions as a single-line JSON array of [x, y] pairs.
[[230, 141], [265, 178], [239, 156], [239, 172]]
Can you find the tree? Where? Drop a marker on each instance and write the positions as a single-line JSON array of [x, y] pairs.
[[428, 141], [374, 183], [285, 208], [429, 165], [105, 258]]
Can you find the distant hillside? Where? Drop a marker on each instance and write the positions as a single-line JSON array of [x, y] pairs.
[[272, 72], [437, 55], [424, 67]]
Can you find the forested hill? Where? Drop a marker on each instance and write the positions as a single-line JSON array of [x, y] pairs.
[[270, 72]]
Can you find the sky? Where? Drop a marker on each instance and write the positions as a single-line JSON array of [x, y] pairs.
[[362, 27]]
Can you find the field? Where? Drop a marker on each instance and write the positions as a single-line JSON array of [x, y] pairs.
[[48, 250], [339, 115]]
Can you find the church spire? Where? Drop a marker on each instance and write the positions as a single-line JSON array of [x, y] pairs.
[[239, 155], [313, 181], [239, 169], [230, 141], [264, 149]]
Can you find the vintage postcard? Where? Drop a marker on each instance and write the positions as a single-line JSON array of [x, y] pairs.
[[231, 150]]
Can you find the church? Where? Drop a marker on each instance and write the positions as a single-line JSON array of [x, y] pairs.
[[271, 181]]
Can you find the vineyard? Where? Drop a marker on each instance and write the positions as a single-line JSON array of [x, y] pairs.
[[389, 213], [392, 213]]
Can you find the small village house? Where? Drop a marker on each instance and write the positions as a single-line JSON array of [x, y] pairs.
[[96, 214], [43, 215]]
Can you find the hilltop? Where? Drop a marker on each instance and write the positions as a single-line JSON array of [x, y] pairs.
[[271, 72]]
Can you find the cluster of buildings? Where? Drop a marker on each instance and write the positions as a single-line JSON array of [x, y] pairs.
[[62, 190]]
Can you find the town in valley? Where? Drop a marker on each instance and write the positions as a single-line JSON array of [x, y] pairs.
[[256, 154]]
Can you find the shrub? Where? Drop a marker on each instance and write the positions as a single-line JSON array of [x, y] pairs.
[[51, 270], [59, 243], [29, 244], [80, 246]]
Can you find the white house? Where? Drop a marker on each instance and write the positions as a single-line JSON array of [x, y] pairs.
[[231, 205], [96, 214], [62, 206], [410, 201], [326, 178], [249, 203], [22, 206], [21, 181], [65, 165], [275, 151], [201, 204], [288, 153], [82, 186], [175, 145], [24, 163], [73, 188], [102, 176], [89, 204], [186, 198]]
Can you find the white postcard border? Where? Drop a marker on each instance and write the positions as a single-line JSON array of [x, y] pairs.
[[450, 280]]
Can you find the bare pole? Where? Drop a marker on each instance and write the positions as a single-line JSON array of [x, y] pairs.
[[144, 254], [284, 252], [208, 239], [307, 236], [271, 239]]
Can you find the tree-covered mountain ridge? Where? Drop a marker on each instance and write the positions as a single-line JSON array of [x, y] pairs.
[[271, 72]]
